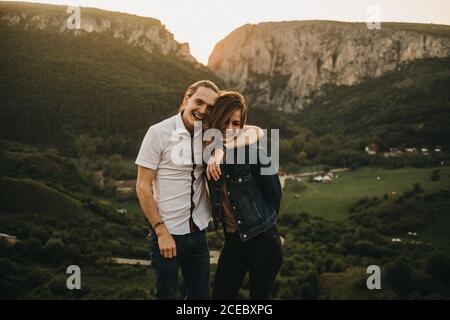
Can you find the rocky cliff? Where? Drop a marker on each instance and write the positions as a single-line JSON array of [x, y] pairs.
[[285, 64], [147, 33]]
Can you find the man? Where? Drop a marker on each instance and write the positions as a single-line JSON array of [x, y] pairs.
[[173, 198]]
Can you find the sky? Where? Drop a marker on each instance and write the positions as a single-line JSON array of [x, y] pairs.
[[202, 23]]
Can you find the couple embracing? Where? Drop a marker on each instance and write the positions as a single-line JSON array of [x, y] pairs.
[[179, 198]]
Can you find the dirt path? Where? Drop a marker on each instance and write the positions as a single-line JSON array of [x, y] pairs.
[[214, 257]]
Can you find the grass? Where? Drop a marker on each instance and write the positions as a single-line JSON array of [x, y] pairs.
[[98, 281], [429, 29], [333, 200], [25, 195]]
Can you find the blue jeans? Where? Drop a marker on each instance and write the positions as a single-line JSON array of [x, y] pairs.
[[193, 258]]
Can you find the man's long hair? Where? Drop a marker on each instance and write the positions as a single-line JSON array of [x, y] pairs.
[[193, 88]]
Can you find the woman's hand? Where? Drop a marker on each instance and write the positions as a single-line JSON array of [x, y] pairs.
[[213, 169]]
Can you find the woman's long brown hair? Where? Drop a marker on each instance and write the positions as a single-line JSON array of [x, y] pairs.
[[227, 103]]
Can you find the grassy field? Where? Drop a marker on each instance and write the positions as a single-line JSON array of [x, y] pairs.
[[333, 200]]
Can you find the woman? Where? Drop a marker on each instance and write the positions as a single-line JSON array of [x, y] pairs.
[[246, 202]]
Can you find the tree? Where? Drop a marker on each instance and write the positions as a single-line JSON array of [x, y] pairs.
[[54, 250], [438, 266], [400, 277]]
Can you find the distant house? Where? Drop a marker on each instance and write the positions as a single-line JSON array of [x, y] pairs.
[[425, 151], [318, 179], [411, 150], [9, 239], [126, 189], [437, 149], [393, 152], [324, 178], [122, 211], [372, 149]]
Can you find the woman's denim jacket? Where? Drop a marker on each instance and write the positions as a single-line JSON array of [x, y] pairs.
[[254, 191]]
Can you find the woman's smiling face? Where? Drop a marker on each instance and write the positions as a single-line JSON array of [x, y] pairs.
[[233, 124]]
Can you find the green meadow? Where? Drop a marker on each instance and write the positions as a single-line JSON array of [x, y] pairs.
[[333, 200]]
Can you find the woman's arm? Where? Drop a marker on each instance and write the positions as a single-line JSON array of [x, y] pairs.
[[246, 136], [268, 180]]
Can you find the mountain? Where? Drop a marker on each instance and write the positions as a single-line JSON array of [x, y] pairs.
[[284, 65], [108, 81], [409, 106], [406, 107], [146, 33]]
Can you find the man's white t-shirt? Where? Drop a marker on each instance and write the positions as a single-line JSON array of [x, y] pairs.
[[178, 186]]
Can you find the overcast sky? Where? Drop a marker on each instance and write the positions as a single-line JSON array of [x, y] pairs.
[[202, 23]]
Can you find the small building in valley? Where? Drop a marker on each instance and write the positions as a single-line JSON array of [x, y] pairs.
[[8, 238], [372, 149], [126, 189]]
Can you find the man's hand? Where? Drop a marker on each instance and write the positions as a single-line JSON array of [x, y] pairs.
[[166, 243]]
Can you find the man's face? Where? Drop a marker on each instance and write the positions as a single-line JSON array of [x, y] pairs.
[[197, 105]]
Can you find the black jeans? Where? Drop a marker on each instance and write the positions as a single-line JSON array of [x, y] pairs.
[[261, 256], [193, 259]]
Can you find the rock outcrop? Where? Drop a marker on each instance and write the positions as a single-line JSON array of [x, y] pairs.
[[285, 64], [147, 33]]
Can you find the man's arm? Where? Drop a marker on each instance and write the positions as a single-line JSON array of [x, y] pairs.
[[144, 192]]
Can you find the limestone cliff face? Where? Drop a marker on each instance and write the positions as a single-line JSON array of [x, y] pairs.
[[284, 64], [146, 33]]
